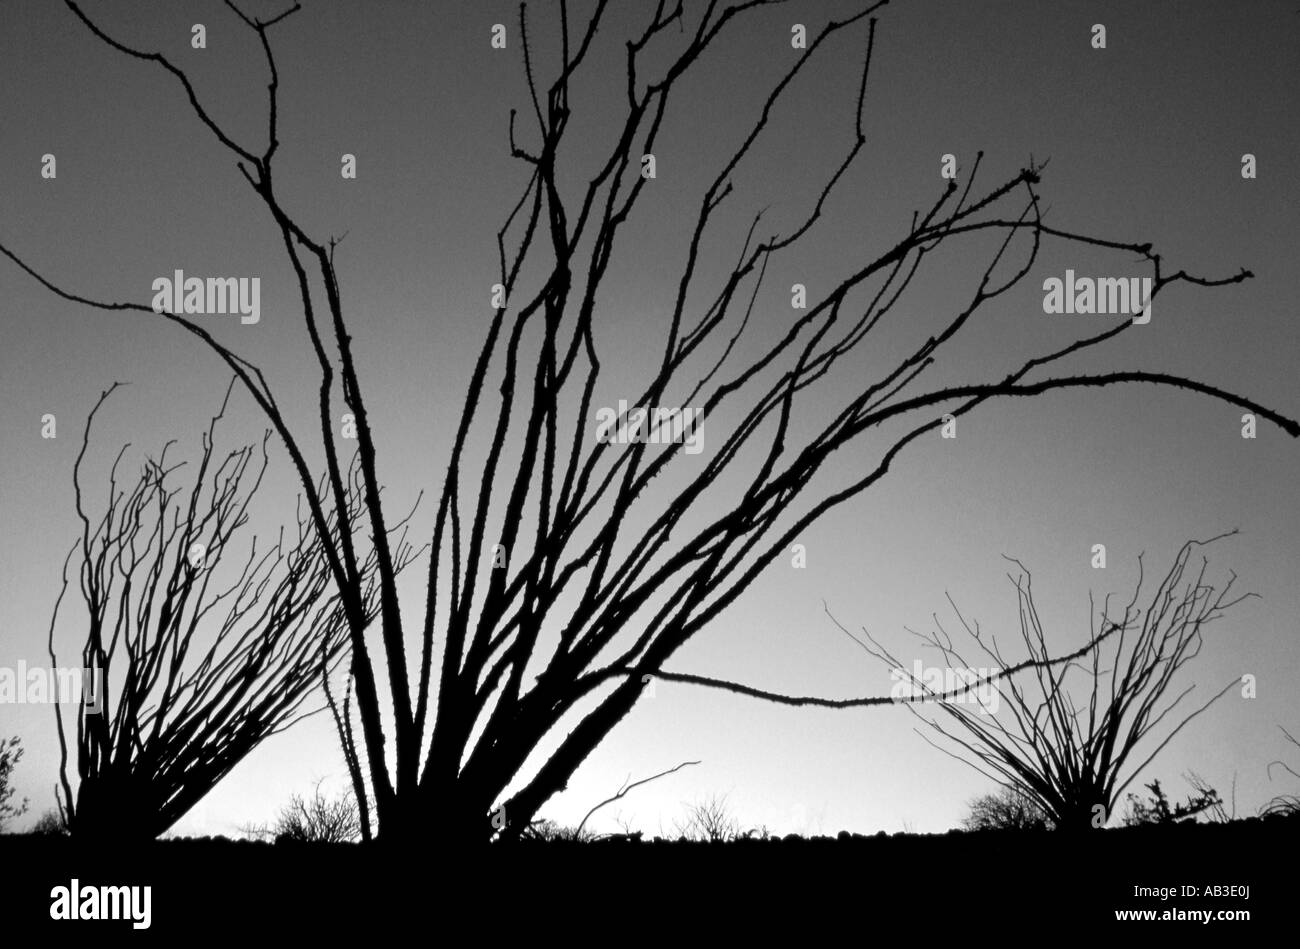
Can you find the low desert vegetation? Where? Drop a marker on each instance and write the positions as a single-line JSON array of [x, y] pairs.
[[1157, 808], [314, 818], [1008, 808], [710, 820], [11, 752]]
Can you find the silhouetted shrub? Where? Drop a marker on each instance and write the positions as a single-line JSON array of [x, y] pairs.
[[11, 752], [50, 824], [314, 819], [709, 820], [1157, 810], [1006, 809], [548, 830]]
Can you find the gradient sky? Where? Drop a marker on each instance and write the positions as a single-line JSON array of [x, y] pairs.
[[1145, 140]]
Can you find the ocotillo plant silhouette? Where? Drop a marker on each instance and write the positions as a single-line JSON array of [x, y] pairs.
[[1073, 752], [576, 612], [187, 691]]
